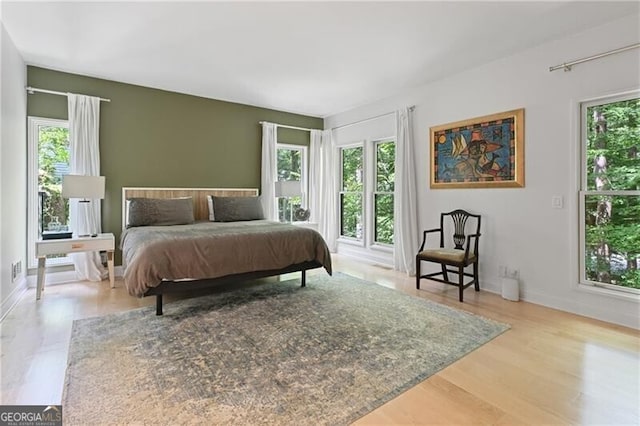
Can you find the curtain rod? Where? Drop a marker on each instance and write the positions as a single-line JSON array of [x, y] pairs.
[[32, 90], [411, 108], [567, 66], [288, 127]]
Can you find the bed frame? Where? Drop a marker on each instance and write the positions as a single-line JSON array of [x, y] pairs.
[[201, 212]]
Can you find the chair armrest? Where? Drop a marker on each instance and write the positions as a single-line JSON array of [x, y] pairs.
[[424, 236], [475, 245]]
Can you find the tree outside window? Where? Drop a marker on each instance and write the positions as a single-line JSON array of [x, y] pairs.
[[611, 194], [383, 195], [53, 163], [291, 167], [351, 207]]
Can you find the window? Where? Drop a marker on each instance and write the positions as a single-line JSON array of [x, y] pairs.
[[383, 194], [48, 157], [610, 193], [292, 166], [366, 192], [351, 192]]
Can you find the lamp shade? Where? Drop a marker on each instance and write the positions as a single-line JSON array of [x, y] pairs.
[[80, 186], [288, 188]]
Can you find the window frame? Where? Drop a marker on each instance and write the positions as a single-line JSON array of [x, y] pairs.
[[583, 193], [369, 190], [33, 132]]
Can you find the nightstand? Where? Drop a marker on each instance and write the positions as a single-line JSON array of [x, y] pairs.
[[103, 242], [310, 225]]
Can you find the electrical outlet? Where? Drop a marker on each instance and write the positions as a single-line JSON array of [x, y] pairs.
[[557, 202], [16, 270]]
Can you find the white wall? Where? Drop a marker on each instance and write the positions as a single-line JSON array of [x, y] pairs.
[[13, 170], [520, 228]]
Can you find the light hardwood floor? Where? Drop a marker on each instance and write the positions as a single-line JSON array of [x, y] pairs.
[[551, 367]]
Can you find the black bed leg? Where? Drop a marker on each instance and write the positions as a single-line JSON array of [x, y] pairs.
[[158, 304], [304, 278]]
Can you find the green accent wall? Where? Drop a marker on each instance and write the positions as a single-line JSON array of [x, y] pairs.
[[152, 137]]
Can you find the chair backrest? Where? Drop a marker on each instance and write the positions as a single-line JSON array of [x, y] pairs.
[[458, 220]]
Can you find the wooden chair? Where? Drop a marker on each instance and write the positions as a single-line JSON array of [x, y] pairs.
[[463, 254]]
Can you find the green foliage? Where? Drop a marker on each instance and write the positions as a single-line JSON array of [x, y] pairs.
[[289, 164], [385, 182], [53, 155], [613, 138], [351, 199], [384, 218]]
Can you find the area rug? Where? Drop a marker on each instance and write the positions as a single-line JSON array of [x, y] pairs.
[[275, 353]]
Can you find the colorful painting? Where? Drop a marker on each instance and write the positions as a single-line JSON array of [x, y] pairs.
[[482, 152]]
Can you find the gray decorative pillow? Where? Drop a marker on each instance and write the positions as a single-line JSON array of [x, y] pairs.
[[232, 209], [160, 211]]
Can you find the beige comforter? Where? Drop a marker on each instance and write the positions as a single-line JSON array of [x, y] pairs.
[[151, 254]]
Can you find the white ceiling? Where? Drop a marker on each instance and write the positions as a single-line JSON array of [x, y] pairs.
[[315, 58]]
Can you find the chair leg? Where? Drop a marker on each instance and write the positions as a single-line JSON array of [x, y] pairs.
[[444, 272], [476, 277], [460, 282], [417, 273]]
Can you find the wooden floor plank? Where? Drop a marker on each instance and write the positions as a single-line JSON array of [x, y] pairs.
[[551, 367]]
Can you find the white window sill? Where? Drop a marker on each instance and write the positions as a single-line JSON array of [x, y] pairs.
[[351, 241], [601, 291], [382, 247]]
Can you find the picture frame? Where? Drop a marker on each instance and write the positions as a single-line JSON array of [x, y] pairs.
[[482, 152]]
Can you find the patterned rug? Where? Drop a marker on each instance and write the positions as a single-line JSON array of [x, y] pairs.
[[274, 353]]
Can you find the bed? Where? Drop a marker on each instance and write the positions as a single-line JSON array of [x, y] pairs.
[[175, 252]]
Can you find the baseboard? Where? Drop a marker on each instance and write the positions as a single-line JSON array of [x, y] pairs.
[[10, 301], [631, 320], [573, 307], [54, 278]]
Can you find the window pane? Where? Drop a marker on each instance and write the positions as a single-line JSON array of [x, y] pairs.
[[351, 215], [289, 164], [352, 166], [612, 239], [613, 146], [53, 163], [384, 218], [287, 206], [385, 166], [612, 221], [290, 167]]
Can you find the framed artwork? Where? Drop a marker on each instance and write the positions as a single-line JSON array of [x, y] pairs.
[[483, 152]]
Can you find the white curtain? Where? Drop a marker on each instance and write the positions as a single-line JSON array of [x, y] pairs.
[[315, 175], [405, 221], [269, 173], [322, 188], [84, 128]]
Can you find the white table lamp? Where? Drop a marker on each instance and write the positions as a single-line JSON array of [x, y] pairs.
[[86, 188]]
